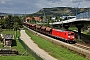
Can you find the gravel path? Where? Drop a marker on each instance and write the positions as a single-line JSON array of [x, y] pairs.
[[35, 47]]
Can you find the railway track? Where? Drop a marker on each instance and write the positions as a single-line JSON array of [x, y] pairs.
[[82, 49], [82, 46]]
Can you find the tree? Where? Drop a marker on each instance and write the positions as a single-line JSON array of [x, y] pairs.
[[18, 20], [8, 22], [41, 17], [1, 39], [16, 26]]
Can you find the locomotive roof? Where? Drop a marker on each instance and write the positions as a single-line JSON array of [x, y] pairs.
[[62, 30], [59, 30]]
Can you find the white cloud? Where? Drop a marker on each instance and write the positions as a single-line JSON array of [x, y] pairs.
[[10, 3], [87, 0], [3, 2], [76, 1], [30, 6]]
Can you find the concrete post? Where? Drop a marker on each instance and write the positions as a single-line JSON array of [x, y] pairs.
[[79, 33], [79, 26]]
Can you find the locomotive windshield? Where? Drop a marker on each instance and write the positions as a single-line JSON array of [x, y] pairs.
[[71, 33]]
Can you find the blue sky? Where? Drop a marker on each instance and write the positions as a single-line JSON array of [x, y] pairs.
[[31, 6]]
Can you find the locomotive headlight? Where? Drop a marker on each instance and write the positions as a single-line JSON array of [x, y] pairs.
[[73, 37], [68, 36]]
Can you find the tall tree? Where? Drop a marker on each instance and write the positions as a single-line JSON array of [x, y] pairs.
[[16, 26], [18, 20], [8, 22]]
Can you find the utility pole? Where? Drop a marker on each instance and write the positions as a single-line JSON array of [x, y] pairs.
[[25, 17], [44, 16], [77, 10]]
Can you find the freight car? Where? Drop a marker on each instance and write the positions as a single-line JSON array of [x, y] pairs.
[[67, 36]]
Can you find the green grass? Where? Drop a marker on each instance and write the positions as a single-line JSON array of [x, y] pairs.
[[1, 45], [72, 28], [16, 58], [55, 50], [8, 32], [18, 47]]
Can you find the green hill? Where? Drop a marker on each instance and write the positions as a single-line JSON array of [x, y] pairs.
[[60, 11]]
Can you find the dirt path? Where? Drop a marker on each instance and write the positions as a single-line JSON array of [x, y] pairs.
[[35, 47]]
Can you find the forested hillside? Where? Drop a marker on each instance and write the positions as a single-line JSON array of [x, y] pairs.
[[60, 11]]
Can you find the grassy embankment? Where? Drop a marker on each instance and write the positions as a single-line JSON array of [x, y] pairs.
[[18, 47], [56, 51]]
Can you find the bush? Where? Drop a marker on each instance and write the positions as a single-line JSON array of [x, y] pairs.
[[1, 39], [88, 33]]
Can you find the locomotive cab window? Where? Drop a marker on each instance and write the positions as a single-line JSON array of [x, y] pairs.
[[71, 34]]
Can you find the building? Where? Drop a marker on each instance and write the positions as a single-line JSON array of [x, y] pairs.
[[68, 17], [28, 19], [37, 18], [8, 40], [1, 17]]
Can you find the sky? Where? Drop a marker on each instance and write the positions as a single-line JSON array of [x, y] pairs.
[[32, 6]]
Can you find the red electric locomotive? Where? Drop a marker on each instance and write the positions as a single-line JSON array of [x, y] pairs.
[[66, 35]]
